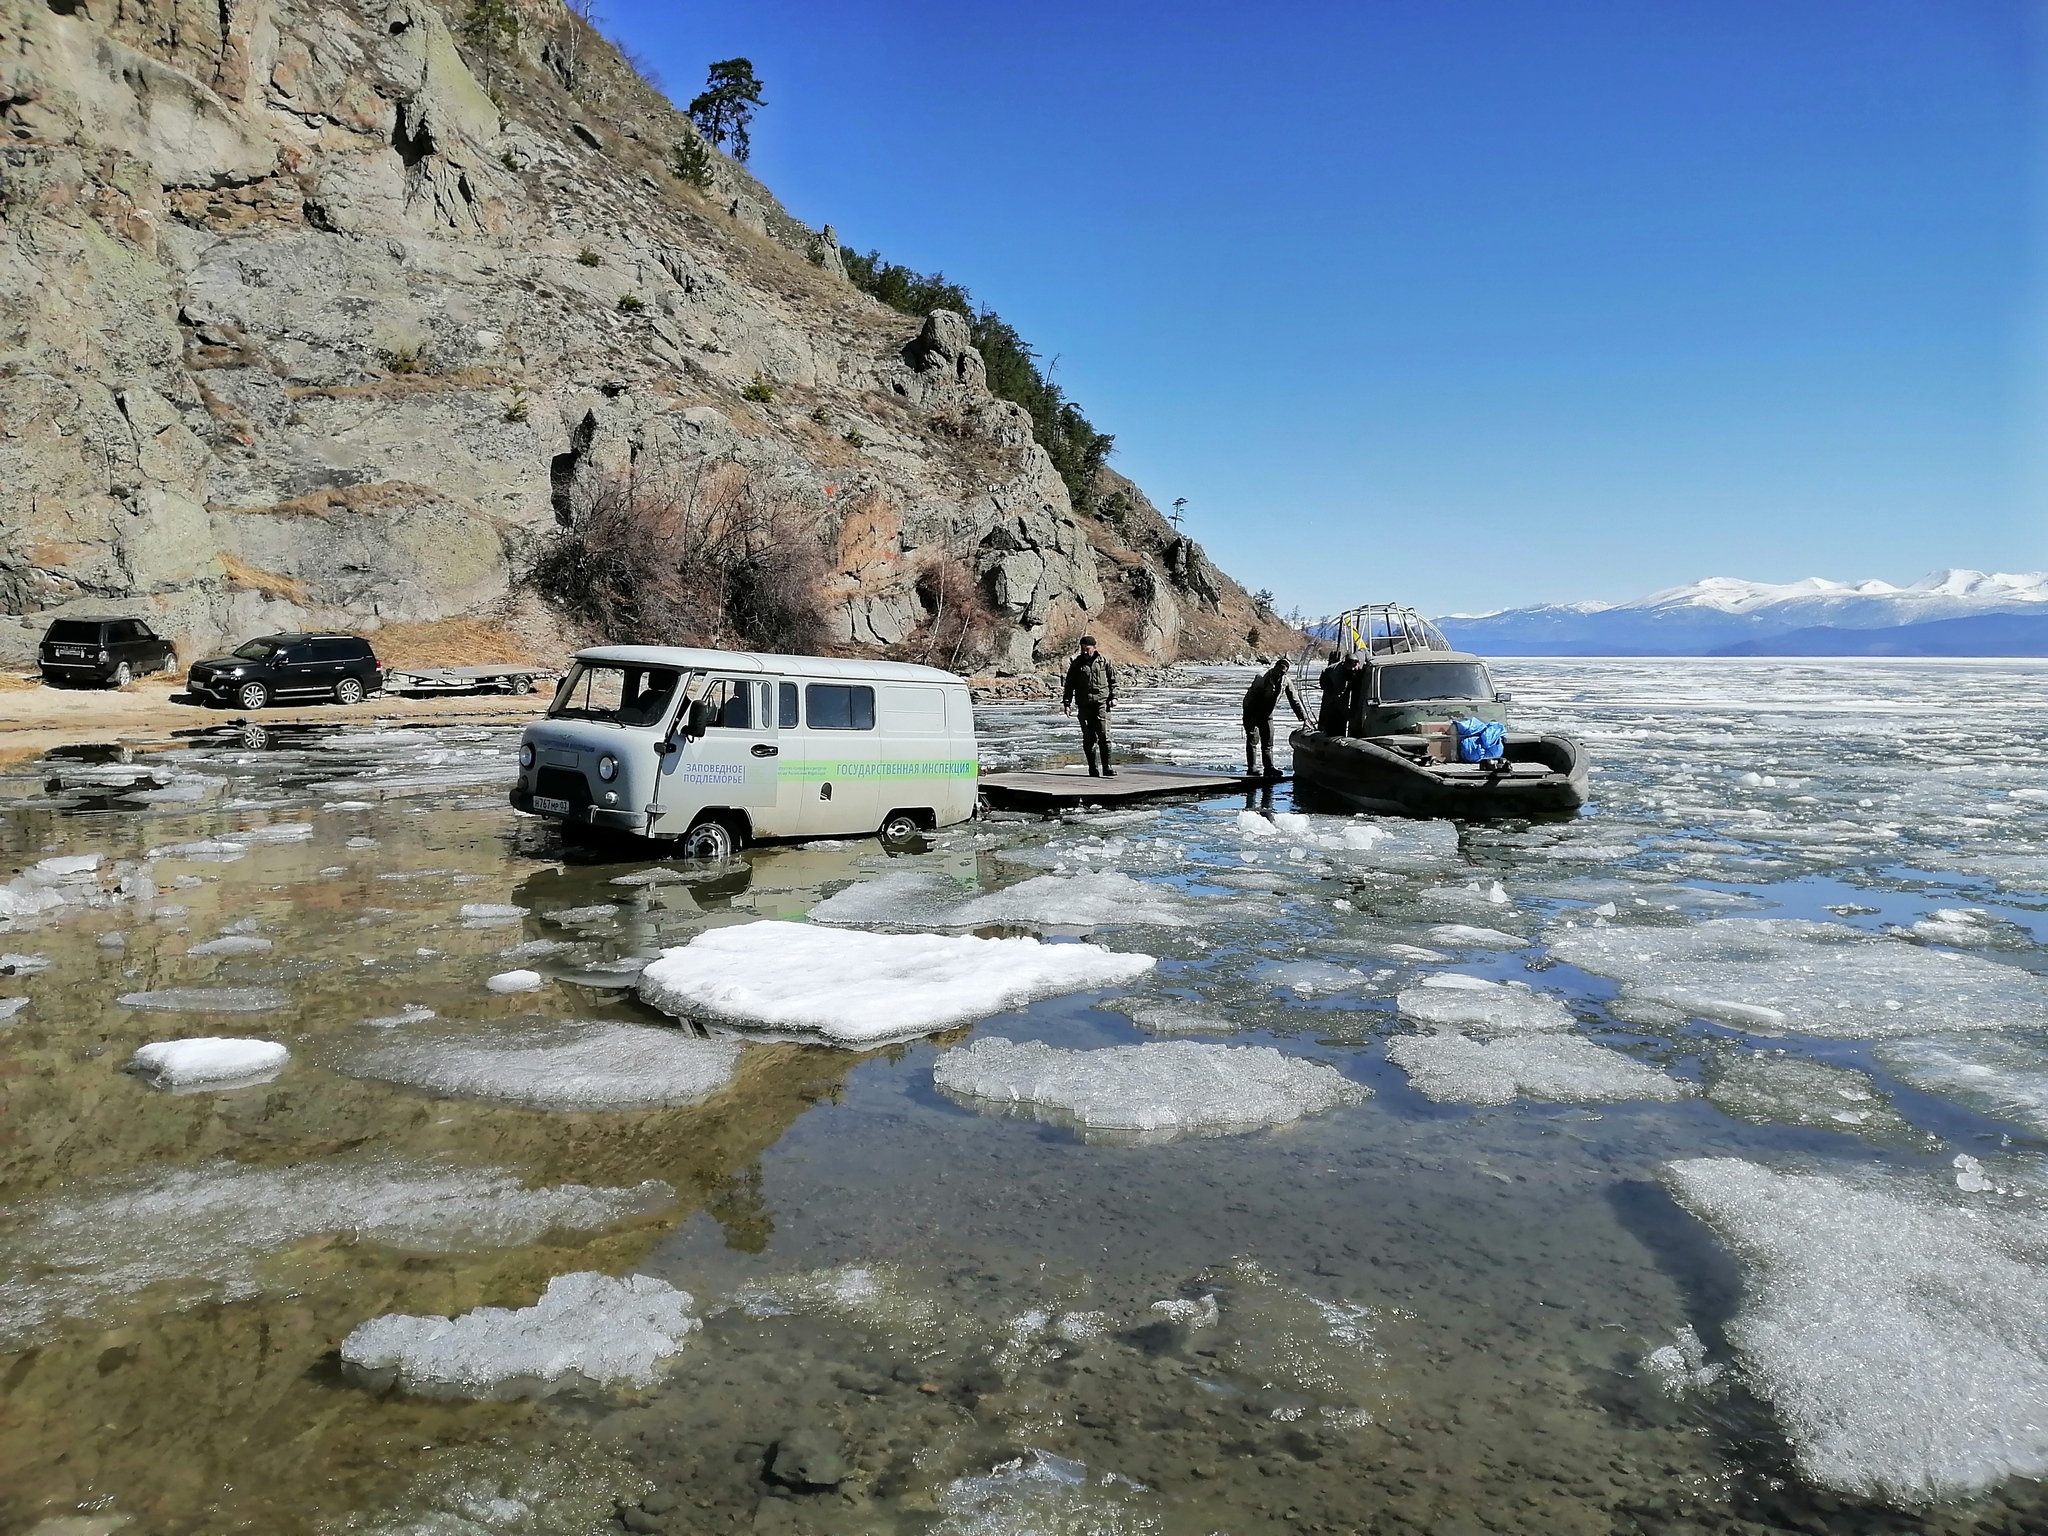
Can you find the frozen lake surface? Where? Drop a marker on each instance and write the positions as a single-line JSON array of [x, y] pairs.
[[1197, 1168]]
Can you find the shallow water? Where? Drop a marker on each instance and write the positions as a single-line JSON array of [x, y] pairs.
[[1392, 1314]]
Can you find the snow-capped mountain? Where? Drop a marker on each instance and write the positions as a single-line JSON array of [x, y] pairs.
[[1704, 616]]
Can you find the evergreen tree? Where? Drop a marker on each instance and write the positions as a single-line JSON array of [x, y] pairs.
[[726, 107]]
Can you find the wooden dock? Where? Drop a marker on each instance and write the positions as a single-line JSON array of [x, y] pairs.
[[1047, 789]]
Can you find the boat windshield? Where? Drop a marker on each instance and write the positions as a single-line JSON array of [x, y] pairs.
[[1419, 680], [616, 692]]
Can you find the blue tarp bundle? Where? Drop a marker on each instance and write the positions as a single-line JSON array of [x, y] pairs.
[[1479, 740]]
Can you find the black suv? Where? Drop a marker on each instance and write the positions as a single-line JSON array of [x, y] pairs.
[[115, 651], [288, 669]]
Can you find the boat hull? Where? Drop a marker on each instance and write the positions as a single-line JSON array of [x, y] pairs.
[[1546, 776]]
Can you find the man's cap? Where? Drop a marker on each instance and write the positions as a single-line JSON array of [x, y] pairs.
[[1087, 639]]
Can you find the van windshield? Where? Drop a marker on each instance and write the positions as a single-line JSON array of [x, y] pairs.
[[1434, 680], [616, 692]]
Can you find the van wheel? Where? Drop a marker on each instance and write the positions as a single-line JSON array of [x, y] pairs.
[[252, 695], [901, 829], [712, 839], [349, 691], [123, 675]]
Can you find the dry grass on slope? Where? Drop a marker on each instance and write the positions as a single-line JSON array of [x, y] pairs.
[[462, 641]]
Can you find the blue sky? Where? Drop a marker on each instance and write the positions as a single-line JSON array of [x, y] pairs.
[[1471, 302]]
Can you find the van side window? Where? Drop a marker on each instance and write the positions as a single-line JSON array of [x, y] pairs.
[[785, 706], [839, 707], [734, 701]]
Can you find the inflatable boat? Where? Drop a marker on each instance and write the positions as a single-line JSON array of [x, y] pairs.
[[1412, 727]]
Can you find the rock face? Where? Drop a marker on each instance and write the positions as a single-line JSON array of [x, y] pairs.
[[325, 315]]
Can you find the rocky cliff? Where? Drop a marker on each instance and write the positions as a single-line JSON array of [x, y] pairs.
[[334, 314]]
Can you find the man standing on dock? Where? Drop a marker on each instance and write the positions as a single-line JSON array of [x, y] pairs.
[[1091, 684], [1260, 700]]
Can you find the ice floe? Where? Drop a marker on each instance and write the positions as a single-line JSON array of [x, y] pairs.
[[410, 1013], [1306, 978], [10, 1006], [586, 1330], [232, 944], [210, 1230], [1464, 936], [1901, 1338], [1773, 1087], [490, 914], [1153, 1091], [572, 1066], [1450, 998], [1560, 1068], [2003, 1077], [1177, 1018], [1382, 843], [856, 987], [1473, 893], [1100, 899], [1969, 928], [212, 1061], [1779, 975], [515, 981], [207, 1000]]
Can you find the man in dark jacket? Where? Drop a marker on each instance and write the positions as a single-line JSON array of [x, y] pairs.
[[1331, 680], [1260, 700], [1091, 687]]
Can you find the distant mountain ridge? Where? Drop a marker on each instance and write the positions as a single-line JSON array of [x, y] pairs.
[[1711, 616]]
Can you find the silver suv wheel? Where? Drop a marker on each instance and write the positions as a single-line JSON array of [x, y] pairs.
[[252, 695], [349, 691]]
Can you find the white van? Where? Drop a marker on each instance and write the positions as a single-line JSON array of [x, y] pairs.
[[723, 748]]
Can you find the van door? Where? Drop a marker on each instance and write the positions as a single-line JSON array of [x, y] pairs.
[[916, 750], [732, 764], [793, 783], [842, 761]]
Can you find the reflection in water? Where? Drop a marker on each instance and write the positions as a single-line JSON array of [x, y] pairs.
[[1396, 1316]]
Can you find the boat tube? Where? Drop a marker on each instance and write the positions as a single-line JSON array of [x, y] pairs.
[[1396, 746]]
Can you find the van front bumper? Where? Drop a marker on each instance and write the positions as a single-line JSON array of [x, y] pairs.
[[584, 815]]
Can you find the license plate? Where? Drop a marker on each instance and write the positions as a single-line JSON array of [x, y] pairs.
[[550, 803]]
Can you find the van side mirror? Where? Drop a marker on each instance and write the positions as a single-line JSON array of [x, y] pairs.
[[1503, 698], [703, 715]]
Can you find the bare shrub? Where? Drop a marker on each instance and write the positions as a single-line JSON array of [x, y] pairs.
[[959, 632], [707, 561]]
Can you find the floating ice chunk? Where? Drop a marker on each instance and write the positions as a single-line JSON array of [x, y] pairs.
[[571, 917], [1106, 899], [232, 944], [535, 947], [1171, 1018], [1969, 928], [66, 868], [1770, 1086], [872, 1293], [1188, 1313], [654, 876], [574, 1066], [23, 965], [1379, 842], [217, 1230], [586, 1329], [1161, 1090], [1778, 974], [411, 1013], [1590, 853], [207, 999], [1417, 953], [210, 850], [1492, 1007], [1473, 893], [1569, 1069], [1970, 1177], [904, 898], [1462, 936], [490, 914], [10, 1006], [212, 1061], [1680, 1367], [1307, 977], [515, 981], [277, 832], [2002, 1077], [1901, 1339], [857, 987], [1041, 1494], [349, 805]]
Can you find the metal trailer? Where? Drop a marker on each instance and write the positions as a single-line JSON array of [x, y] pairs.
[[503, 678]]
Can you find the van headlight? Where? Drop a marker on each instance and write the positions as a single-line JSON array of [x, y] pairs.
[[607, 767], [526, 754]]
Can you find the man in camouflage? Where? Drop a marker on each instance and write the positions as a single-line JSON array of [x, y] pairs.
[[1091, 687], [1260, 700]]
